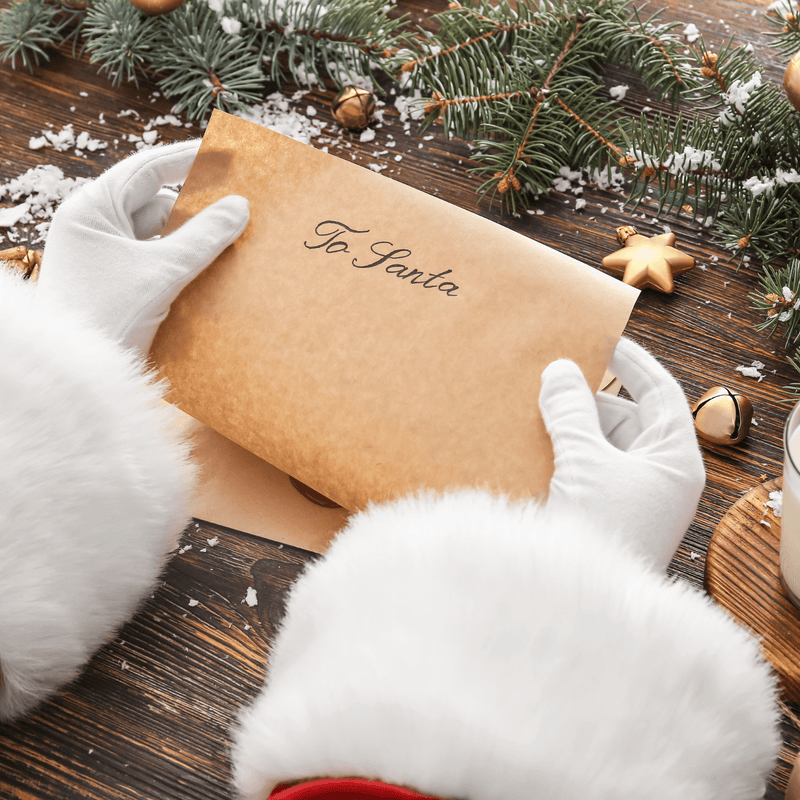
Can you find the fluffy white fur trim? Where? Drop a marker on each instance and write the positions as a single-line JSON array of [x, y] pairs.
[[94, 489], [475, 649]]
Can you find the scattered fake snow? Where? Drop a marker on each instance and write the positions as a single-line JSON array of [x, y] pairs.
[[775, 502], [753, 371], [38, 192], [251, 598], [9, 217], [691, 33], [619, 92], [43, 187], [277, 114], [66, 139]]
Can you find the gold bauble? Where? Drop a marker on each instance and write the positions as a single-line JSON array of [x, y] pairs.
[[722, 416], [353, 108], [154, 7], [791, 81]]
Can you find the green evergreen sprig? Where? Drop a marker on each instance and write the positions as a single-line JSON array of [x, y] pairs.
[[526, 85], [29, 29], [202, 66], [779, 302], [120, 38], [785, 22], [217, 54], [523, 84], [308, 42]]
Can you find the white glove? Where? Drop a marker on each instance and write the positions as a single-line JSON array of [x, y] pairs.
[[646, 489], [619, 419], [102, 260]]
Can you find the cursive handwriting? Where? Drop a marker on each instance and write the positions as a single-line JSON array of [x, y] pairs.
[[331, 243], [336, 236]]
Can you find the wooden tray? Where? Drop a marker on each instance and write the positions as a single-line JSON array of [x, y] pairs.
[[742, 575]]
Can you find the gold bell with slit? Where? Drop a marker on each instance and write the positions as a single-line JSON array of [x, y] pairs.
[[154, 8], [722, 416], [791, 81], [353, 108]]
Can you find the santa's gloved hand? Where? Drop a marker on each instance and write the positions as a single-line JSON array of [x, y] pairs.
[[645, 485], [101, 257]]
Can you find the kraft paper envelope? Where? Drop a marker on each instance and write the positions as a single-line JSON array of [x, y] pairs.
[[366, 338]]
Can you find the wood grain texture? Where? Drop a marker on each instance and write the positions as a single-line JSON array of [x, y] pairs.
[[150, 717], [743, 575]]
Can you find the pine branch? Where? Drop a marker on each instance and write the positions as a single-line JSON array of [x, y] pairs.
[[311, 42], [120, 38], [785, 20], [779, 301], [202, 66], [522, 83], [28, 29], [649, 48], [510, 79], [212, 54]]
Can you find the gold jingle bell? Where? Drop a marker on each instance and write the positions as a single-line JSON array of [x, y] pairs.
[[722, 416], [353, 108], [791, 81], [154, 7]]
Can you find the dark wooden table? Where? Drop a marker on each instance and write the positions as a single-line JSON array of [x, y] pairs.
[[150, 716]]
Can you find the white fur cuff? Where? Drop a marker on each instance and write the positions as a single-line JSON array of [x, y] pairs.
[[474, 649], [94, 488]]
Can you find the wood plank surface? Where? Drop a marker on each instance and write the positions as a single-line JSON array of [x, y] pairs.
[[150, 716], [743, 576]]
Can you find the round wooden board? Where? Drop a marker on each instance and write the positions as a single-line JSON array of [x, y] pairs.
[[742, 575]]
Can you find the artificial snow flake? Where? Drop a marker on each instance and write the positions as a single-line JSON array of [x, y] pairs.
[[753, 371], [230, 25], [691, 33], [619, 92], [775, 502], [251, 598], [11, 216], [758, 186], [737, 96]]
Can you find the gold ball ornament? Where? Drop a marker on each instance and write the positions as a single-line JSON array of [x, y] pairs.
[[791, 81], [155, 7], [648, 263], [353, 108], [722, 416]]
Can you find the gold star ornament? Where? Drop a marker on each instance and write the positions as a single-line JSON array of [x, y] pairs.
[[648, 263]]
